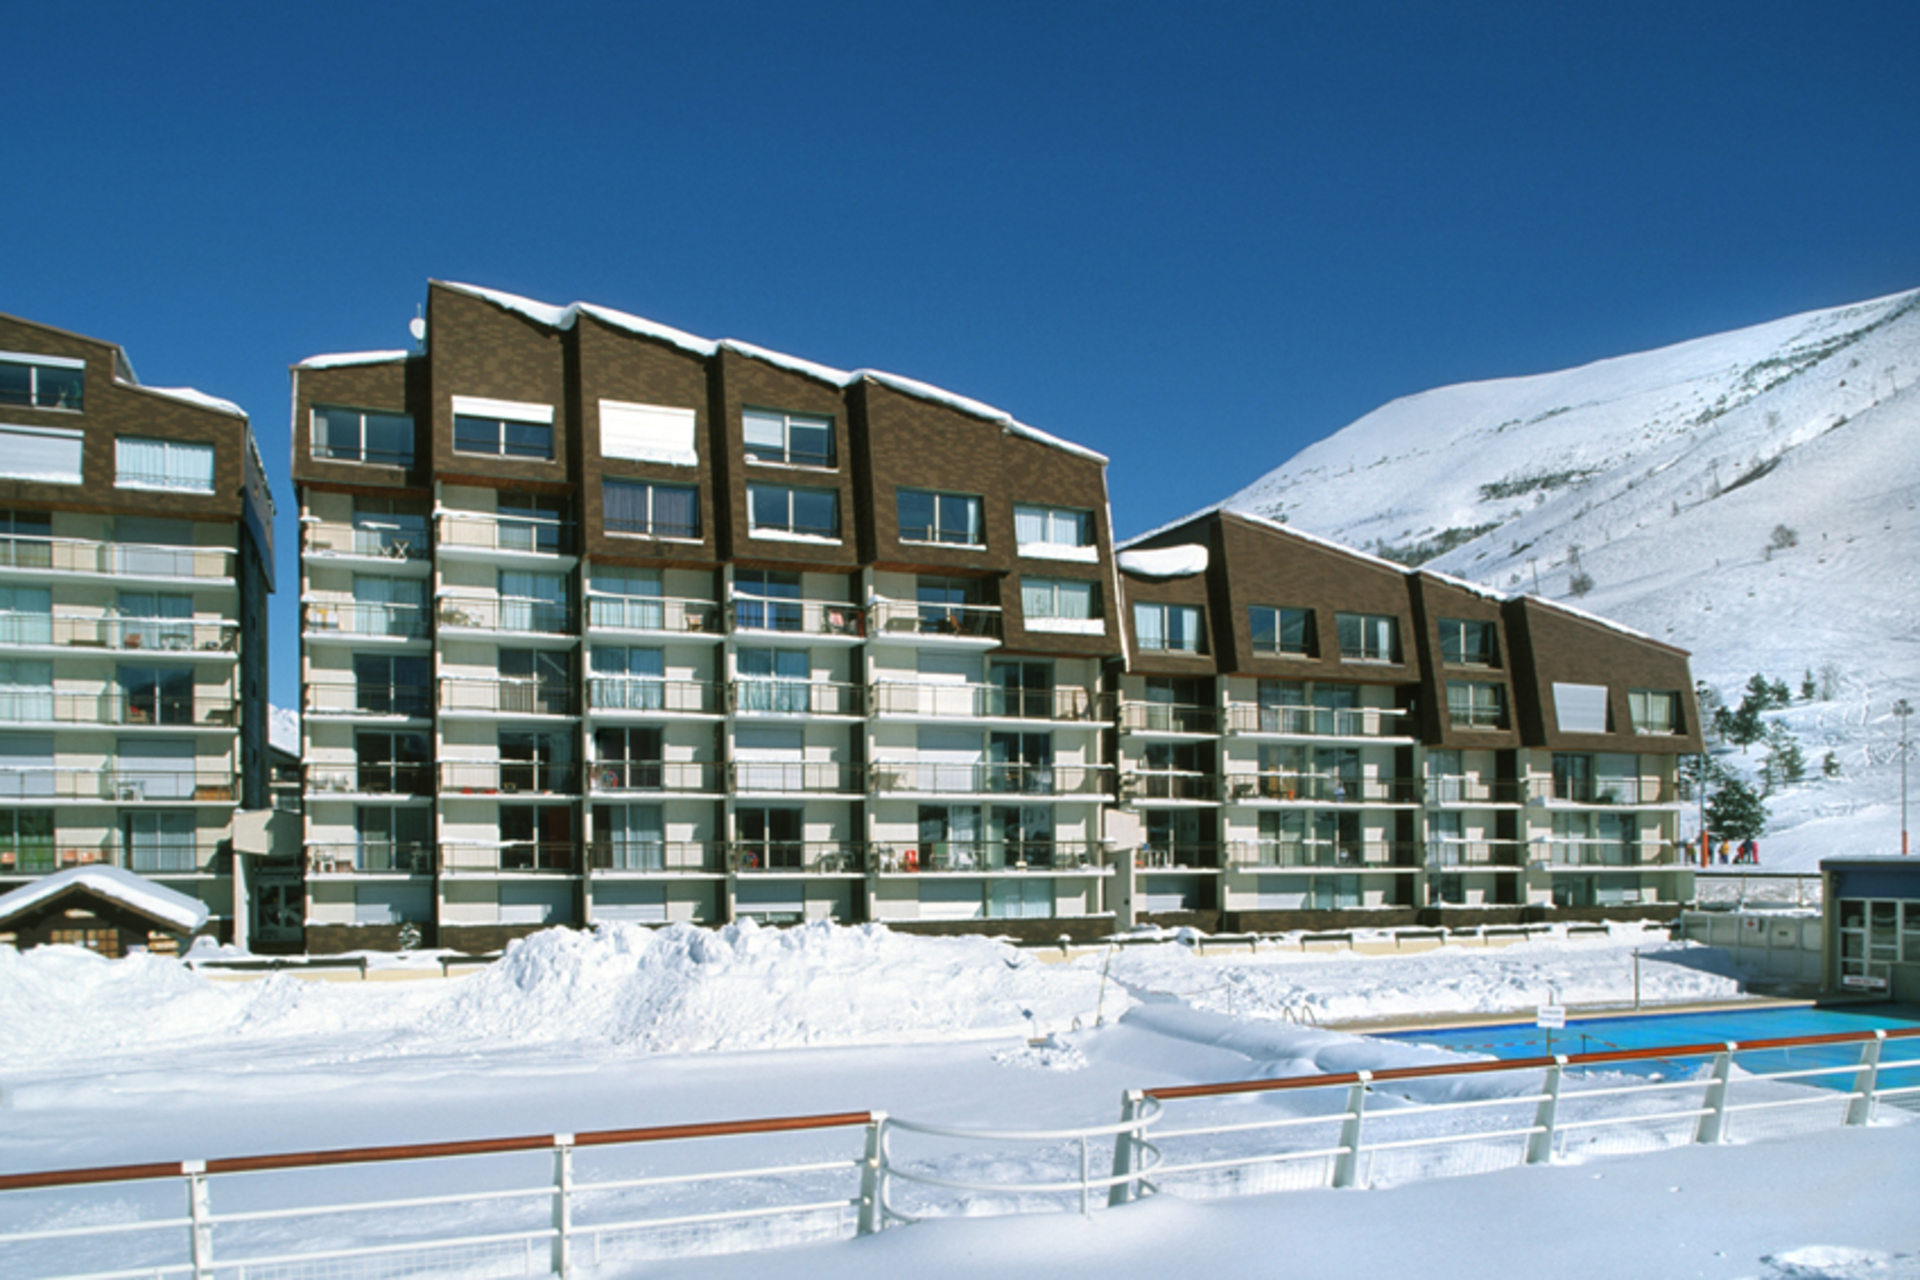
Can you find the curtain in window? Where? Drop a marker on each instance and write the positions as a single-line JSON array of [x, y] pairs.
[[676, 511], [159, 841], [26, 690], [1036, 597], [1075, 600], [189, 466], [155, 768], [1030, 525], [1150, 626], [140, 461], [26, 615], [624, 506]]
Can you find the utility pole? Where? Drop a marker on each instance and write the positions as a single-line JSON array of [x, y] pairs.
[[1903, 710]]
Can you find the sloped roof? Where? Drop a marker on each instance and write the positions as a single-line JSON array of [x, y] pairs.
[[136, 893]]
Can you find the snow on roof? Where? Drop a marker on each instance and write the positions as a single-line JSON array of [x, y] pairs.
[[129, 890], [339, 358], [200, 399], [1477, 588], [1166, 562], [1597, 620], [565, 317]]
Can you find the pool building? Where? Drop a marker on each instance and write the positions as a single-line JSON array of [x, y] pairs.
[[1872, 919]]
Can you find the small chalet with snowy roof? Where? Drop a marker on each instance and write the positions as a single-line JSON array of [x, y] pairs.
[[103, 909]]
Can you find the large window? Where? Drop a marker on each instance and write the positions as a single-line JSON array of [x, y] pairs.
[[1465, 643], [1654, 710], [1169, 626], [534, 601], [362, 435], [41, 382], [1281, 631], [649, 433], [1059, 533], [800, 439], [26, 840], [49, 455], [804, 513], [163, 464], [1474, 705], [1060, 604], [502, 428], [655, 510], [530, 522], [1368, 637], [951, 518]]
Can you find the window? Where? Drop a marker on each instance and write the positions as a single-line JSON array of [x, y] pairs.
[[1368, 637], [534, 601], [163, 464], [1580, 708], [802, 513], [1286, 632], [26, 690], [648, 433], [535, 761], [41, 382], [799, 439], [502, 428], [157, 695], [1168, 626], [362, 435], [1467, 644], [950, 518], [1654, 711], [651, 510], [1473, 705], [26, 840], [774, 680], [392, 684], [1061, 604], [528, 522], [1058, 533], [767, 600], [392, 763], [45, 454]]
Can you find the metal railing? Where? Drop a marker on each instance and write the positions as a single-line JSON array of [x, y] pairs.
[[161, 856], [1560, 852], [531, 534], [795, 697], [795, 777], [505, 613], [112, 631], [413, 701], [1625, 791], [1168, 717], [115, 785], [699, 776], [508, 777], [1319, 722], [932, 778], [116, 559], [507, 696], [150, 707], [798, 617], [364, 618], [653, 613], [821, 857], [1444, 853], [1162, 857], [509, 855], [1353, 855], [370, 857], [386, 779], [665, 856], [1169, 784], [903, 619], [1323, 788], [1724, 887], [332, 538], [985, 855], [917, 699], [1453, 789], [648, 693]]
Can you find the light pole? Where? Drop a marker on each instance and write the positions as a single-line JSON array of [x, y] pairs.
[[1903, 710]]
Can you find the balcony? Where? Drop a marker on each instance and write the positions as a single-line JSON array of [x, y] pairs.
[[398, 550], [1283, 787], [1449, 854], [84, 557], [1452, 790], [685, 777], [1601, 791], [906, 777], [145, 709], [1332, 855], [1246, 719], [802, 857], [382, 858], [410, 780], [1173, 719], [795, 698], [815, 619], [659, 857], [928, 700], [654, 615], [505, 615], [485, 536], [915, 623], [370, 701], [795, 777], [116, 785], [64, 631], [1177, 857], [466, 696], [508, 777], [986, 855], [644, 697], [1588, 853], [509, 856], [1169, 784], [159, 857], [359, 620]]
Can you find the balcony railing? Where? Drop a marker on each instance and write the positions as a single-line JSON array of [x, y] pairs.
[[1169, 784], [119, 559], [985, 855], [1322, 788], [1458, 790], [370, 858], [1168, 717], [700, 776], [507, 696], [414, 701], [1625, 791], [929, 700], [1350, 855], [989, 779], [648, 693], [1182, 855], [365, 618], [1444, 853], [664, 856], [529, 534], [796, 777], [799, 617], [1604, 853], [652, 613], [508, 777], [114, 785], [1318, 722], [901, 619], [158, 857], [116, 708], [795, 698], [84, 631], [510, 855], [822, 857], [414, 779], [331, 538], [495, 613]]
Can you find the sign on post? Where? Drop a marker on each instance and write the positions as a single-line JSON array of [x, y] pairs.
[[1553, 1017]]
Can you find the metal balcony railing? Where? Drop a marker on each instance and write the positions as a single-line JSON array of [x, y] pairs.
[[365, 618], [795, 697], [1183, 855], [159, 856], [821, 857], [1319, 722], [116, 559], [984, 855], [1351, 855], [414, 701], [116, 708], [384, 779], [370, 857], [1604, 853], [685, 857], [509, 855], [801, 617], [1458, 790], [699, 776], [114, 784], [1620, 791], [917, 699], [649, 693], [989, 779], [1168, 717], [510, 614], [332, 538], [809, 777], [652, 613], [1169, 784], [902, 619], [1322, 788], [507, 696], [533, 535], [1444, 853], [94, 631], [508, 777]]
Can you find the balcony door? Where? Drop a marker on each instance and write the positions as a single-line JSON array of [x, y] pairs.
[[159, 840], [770, 837], [156, 620], [634, 836]]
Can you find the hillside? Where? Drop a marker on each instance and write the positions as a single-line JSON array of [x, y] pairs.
[[1750, 496]]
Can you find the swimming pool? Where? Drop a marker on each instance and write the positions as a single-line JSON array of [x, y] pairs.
[[1645, 1031]]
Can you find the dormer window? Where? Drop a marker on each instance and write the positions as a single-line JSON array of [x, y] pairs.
[[41, 382], [503, 428], [362, 435], [797, 439]]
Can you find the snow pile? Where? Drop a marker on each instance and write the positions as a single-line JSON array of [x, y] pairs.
[[1165, 562]]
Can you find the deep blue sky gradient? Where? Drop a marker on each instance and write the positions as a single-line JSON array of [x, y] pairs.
[[1194, 236]]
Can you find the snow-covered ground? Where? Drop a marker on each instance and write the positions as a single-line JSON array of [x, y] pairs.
[[142, 1059]]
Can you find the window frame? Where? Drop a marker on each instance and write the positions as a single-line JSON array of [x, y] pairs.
[[34, 363], [941, 497], [788, 419], [162, 484], [787, 531], [1166, 611], [1392, 658], [1456, 629], [1048, 548], [652, 529], [1636, 698], [1093, 623], [1309, 644], [360, 458], [1475, 717], [500, 415]]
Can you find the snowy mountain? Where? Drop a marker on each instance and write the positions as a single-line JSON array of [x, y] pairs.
[[1750, 496]]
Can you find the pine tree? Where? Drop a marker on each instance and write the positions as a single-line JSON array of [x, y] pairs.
[[1736, 812], [1807, 687], [1759, 693], [1781, 696], [1784, 763], [1830, 767]]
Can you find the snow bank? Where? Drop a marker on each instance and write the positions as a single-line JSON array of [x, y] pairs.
[[1165, 562]]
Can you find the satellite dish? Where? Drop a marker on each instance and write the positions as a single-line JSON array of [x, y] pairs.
[[418, 328]]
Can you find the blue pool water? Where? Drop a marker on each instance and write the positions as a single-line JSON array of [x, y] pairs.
[[1595, 1035]]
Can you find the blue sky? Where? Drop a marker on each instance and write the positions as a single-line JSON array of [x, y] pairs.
[[1196, 237]]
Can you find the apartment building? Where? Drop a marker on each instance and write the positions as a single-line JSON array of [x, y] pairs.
[[136, 556], [605, 621]]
